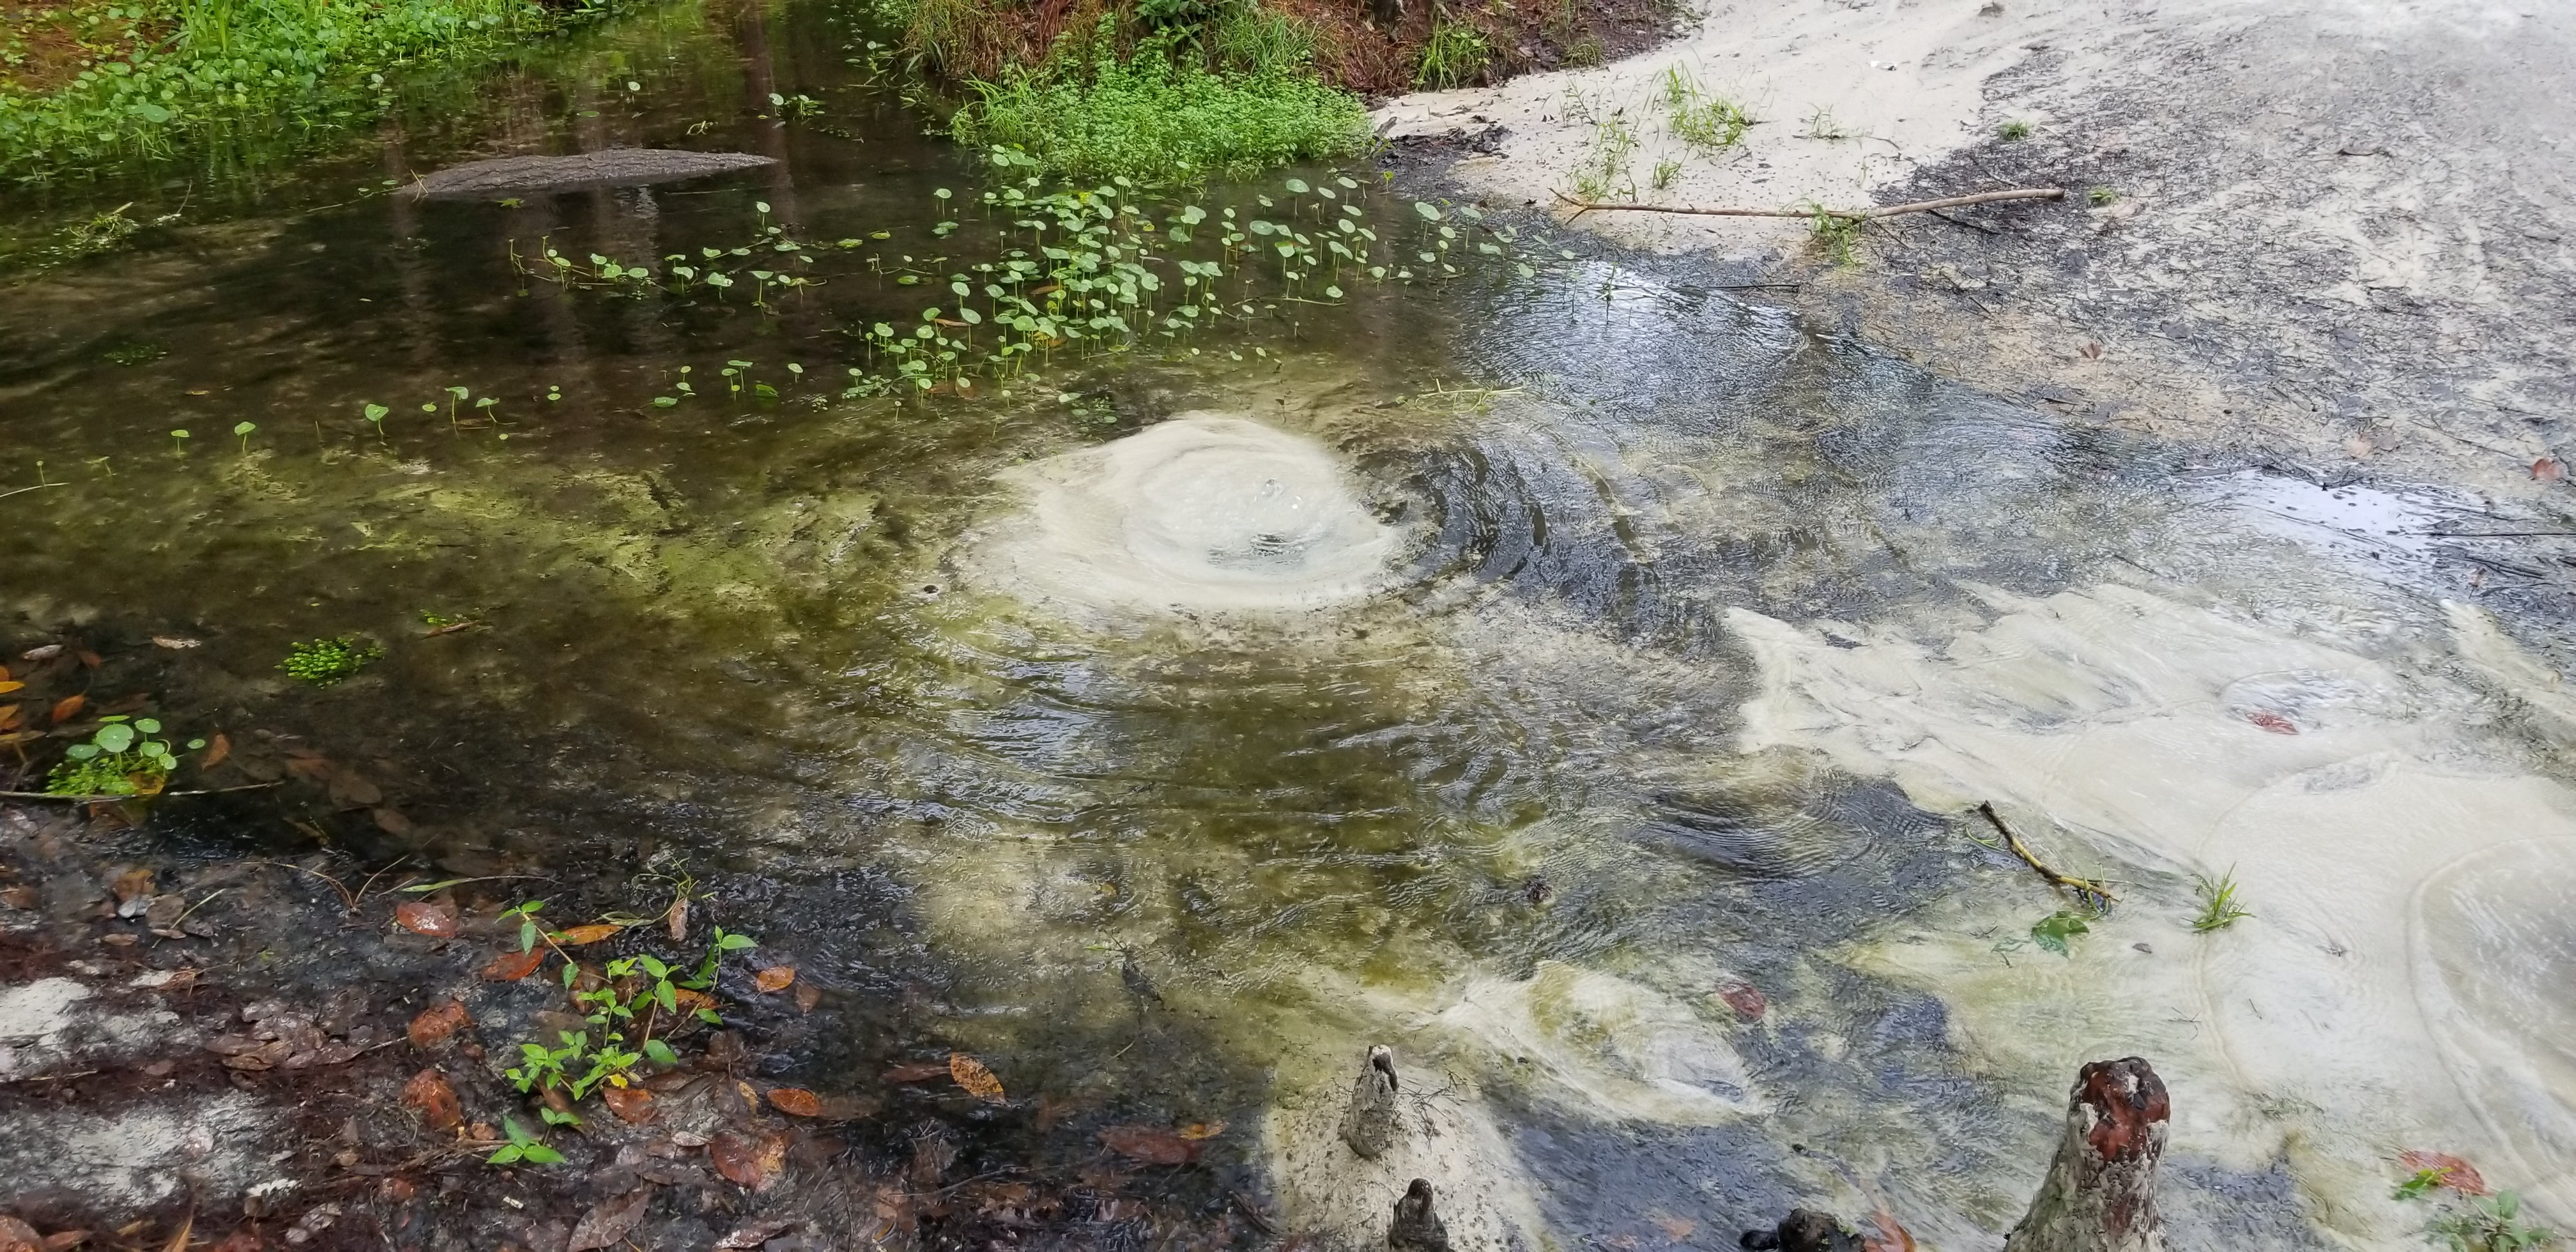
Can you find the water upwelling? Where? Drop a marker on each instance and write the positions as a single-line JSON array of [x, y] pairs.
[[1313, 705]]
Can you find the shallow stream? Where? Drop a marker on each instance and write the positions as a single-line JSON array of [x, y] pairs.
[[1577, 679]]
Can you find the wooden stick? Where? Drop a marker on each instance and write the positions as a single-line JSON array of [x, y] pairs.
[[158, 795], [1582, 207], [2087, 891]]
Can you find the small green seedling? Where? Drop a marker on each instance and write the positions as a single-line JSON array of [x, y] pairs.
[[2489, 1224], [2102, 195], [241, 431], [328, 662], [179, 440], [2052, 932], [522, 1147], [2013, 131], [376, 415], [2218, 907]]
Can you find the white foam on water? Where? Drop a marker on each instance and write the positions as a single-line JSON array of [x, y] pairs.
[[1201, 513], [2403, 981]]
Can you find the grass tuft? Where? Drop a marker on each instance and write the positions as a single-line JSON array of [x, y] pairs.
[[2218, 907], [1456, 55]]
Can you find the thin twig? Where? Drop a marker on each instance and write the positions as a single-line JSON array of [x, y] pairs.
[[24, 490], [2088, 892], [158, 795], [1582, 207]]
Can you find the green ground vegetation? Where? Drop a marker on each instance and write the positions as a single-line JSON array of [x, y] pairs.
[[83, 84], [1231, 97]]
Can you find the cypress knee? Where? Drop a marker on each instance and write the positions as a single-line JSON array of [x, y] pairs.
[[2100, 1194], [1370, 1127], [1416, 1228]]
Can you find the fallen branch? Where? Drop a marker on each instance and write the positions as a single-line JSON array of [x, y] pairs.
[[2088, 892], [1582, 207], [158, 795]]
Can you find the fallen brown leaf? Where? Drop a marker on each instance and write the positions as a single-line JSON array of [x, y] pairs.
[[756, 1234], [1202, 1130], [349, 790], [748, 1163], [1151, 1144], [423, 918], [390, 820], [67, 708], [18, 1236], [2458, 1175], [978, 1081], [131, 884], [90, 659], [774, 978], [679, 919], [632, 1105], [795, 1102], [429, 1093], [436, 1023], [179, 1241], [512, 966], [606, 1225], [9, 685], [9, 714], [2273, 722], [2548, 469], [62, 1239], [807, 996], [574, 937], [217, 749], [1746, 999], [175, 642]]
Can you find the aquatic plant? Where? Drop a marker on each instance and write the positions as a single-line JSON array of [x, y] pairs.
[[119, 759], [1159, 115], [1456, 54], [328, 662], [2052, 932], [1835, 234], [2102, 195], [2218, 907], [241, 431], [1603, 167]]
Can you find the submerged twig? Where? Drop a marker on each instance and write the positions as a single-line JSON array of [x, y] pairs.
[[2088, 892], [1582, 207], [158, 795], [24, 490]]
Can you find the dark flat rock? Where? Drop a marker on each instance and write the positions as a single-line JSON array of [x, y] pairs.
[[582, 171]]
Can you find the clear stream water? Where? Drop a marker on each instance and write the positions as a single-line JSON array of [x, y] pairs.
[[1513, 670]]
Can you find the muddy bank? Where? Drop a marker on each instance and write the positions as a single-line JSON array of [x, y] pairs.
[[2334, 233]]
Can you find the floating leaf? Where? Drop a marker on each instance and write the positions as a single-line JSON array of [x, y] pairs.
[[978, 1081], [423, 918], [1746, 999], [774, 978], [223, 747], [436, 1023], [2052, 932], [67, 708], [576, 936], [430, 1094], [1202, 1130], [795, 1102], [1151, 1144], [512, 966], [748, 1163], [2273, 722]]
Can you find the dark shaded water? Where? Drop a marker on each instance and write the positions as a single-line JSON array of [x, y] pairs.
[[1159, 866]]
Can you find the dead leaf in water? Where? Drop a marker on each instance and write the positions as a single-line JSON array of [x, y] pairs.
[[1746, 999], [67, 708], [2457, 1174], [436, 1023], [807, 996], [632, 1105], [978, 1081], [575, 936], [607, 1225], [795, 1102], [423, 918], [1202, 1130], [9, 714], [2548, 469], [9, 686], [18, 1236], [774, 978], [429, 1093], [751, 1164], [391, 820], [680, 919], [1891, 1237], [1151, 1144], [512, 966], [175, 642], [221, 747], [2273, 722], [755, 1234]]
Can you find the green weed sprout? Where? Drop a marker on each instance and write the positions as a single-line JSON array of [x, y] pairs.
[[241, 431], [2102, 195], [376, 415], [522, 1147], [2052, 932], [1455, 56], [2489, 1224], [2013, 131], [179, 440], [2218, 907], [1836, 234], [328, 662], [120, 759], [1708, 123]]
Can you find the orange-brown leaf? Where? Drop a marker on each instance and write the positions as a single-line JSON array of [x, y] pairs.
[[9, 714], [1151, 1144], [1202, 1130], [774, 978], [67, 708], [1891, 1236], [421, 917], [749, 1163], [1746, 999], [2458, 1175], [436, 1023], [795, 1101], [807, 996], [573, 937], [219, 748], [978, 1081], [513, 966], [2548, 469], [2273, 722], [429, 1093], [9, 685], [632, 1105]]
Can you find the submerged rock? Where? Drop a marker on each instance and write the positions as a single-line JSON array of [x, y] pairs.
[[1803, 1230], [1371, 1125], [1416, 1228], [580, 171]]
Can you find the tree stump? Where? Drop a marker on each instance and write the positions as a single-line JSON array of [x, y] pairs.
[[1415, 1227], [1371, 1125], [2100, 1195]]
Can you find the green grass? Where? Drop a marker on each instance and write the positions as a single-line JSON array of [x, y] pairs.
[[1163, 115], [303, 63], [2218, 907], [1705, 121], [1457, 55], [2489, 1224], [2013, 130]]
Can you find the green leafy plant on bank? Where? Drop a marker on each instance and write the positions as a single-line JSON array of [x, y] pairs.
[[120, 759], [2218, 907], [310, 63], [1161, 114], [327, 662], [1456, 55], [2488, 1224], [1699, 118]]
